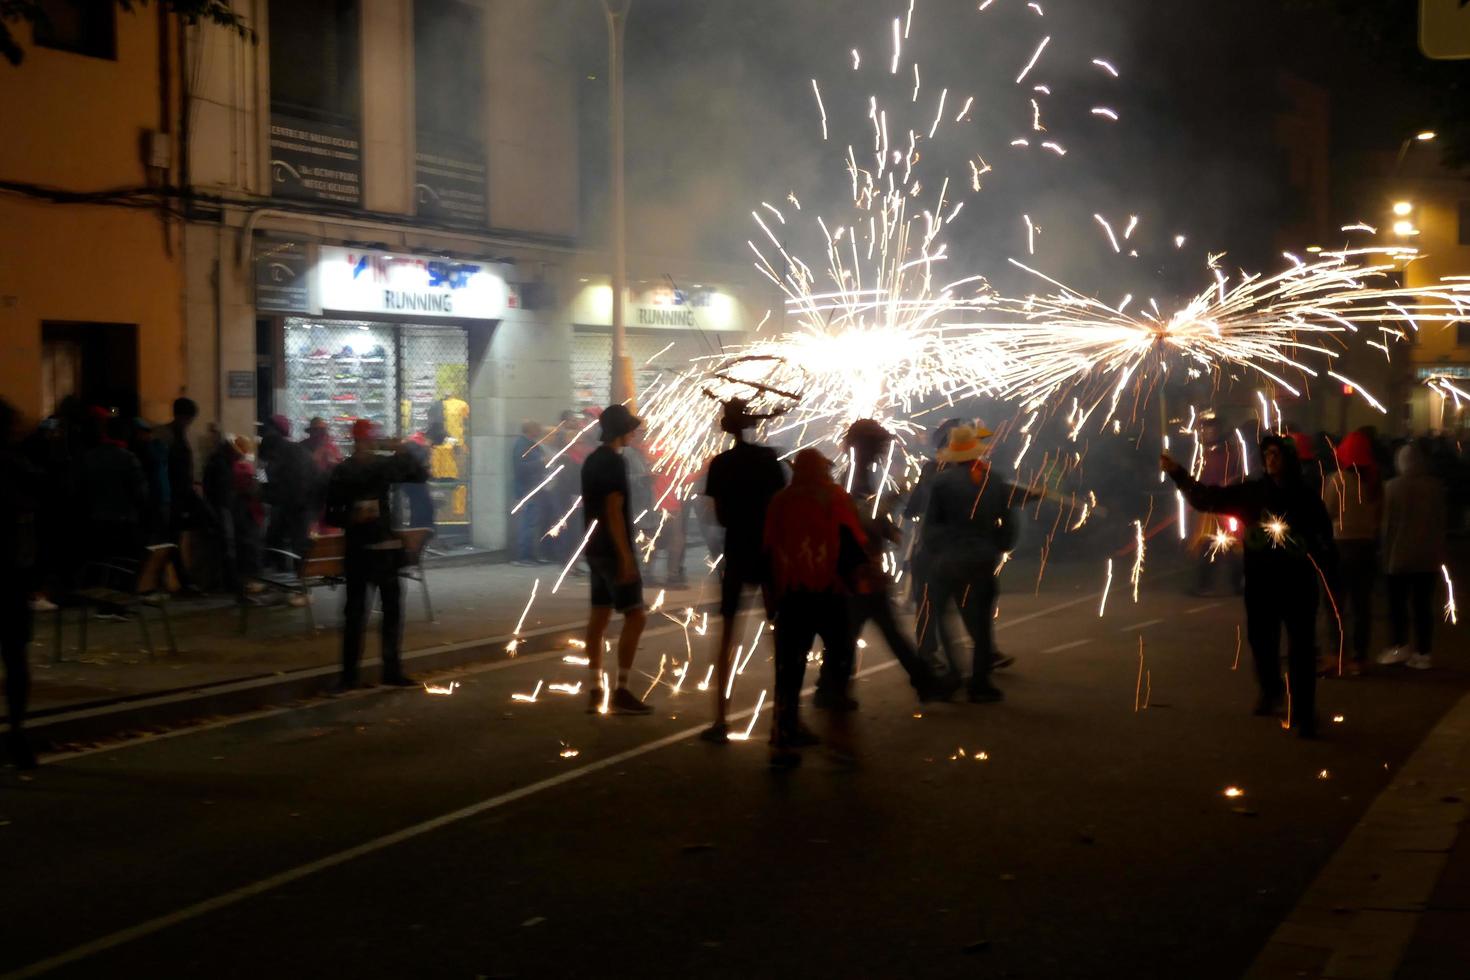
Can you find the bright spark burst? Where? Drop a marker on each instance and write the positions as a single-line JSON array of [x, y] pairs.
[[441, 689], [1451, 612]]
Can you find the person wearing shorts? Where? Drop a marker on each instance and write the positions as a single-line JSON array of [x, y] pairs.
[[613, 567]]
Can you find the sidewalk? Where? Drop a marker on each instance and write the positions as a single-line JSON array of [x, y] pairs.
[[476, 607]]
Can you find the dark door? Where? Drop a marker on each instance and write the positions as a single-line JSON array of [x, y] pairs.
[[96, 362]]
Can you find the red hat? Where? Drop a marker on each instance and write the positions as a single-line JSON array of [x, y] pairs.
[[363, 429], [1304, 448]]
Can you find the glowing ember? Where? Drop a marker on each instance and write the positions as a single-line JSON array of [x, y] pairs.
[[528, 698], [567, 752], [1234, 791], [441, 689]]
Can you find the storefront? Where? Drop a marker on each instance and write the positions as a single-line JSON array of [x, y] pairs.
[[387, 337], [1436, 403], [668, 328]]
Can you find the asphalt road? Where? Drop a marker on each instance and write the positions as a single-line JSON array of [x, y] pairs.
[[400, 834]]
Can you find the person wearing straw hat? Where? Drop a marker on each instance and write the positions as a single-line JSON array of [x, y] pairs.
[[967, 528], [615, 580], [741, 482]]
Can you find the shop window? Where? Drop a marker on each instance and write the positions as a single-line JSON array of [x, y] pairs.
[[95, 362], [413, 381], [314, 59], [86, 27]]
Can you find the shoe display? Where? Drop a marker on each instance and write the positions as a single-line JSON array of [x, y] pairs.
[[345, 354], [1393, 655], [625, 702], [318, 354], [1419, 661], [346, 396]]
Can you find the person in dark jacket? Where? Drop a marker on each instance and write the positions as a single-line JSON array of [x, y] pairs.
[[968, 527], [187, 511], [113, 492], [741, 482], [870, 446], [528, 470], [153, 458], [1287, 535], [288, 491], [358, 502], [20, 484]]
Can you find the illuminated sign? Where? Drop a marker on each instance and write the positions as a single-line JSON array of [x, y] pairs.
[[397, 284]]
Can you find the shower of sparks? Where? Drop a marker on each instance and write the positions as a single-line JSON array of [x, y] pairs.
[[528, 698], [1105, 112], [522, 621], [1236, 664], [575, 555], [568, 689], [1138, 684], [1451, 612], [1276, 529], [1107, 584], [745, 735], [897, 46], [1034, 59], [439, 689], [538, 488], [1105, 66], [820, 108], [1137, 575]]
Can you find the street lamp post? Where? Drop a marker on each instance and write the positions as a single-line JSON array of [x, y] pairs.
[[621, 378]]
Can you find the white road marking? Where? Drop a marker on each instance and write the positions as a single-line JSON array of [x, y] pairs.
[[237, 895], [1143, 625], [1066, 646], [1208, 605]]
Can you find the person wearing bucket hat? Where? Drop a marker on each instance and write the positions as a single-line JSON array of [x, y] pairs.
[[741, 482], [612, 563], [867, 442], [358, 502], [968, 526]]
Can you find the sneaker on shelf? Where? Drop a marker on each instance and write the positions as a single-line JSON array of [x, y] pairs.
[[345, 354], [716, 734], [625, 702], [1419, 661], [1393, 655], [319, 353]]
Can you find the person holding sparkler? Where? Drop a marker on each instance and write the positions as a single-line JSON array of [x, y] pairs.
[[741, 482], [1220, 464], [967, 529], [1287, 536], [815, 546], [616, 583], [868, 442]]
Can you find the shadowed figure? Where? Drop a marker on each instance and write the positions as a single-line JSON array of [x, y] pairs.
[[20, 483], [1287, 537]]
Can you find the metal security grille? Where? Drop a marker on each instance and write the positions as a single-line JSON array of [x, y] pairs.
[[412, 380], [655, 354]]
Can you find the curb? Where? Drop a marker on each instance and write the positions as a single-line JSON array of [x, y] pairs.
[[1357, 918], [49, 732]]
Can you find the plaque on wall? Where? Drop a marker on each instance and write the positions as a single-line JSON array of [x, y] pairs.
[[449, 181], [315, 161]]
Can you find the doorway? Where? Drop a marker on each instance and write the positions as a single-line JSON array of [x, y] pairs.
[[94, 362]]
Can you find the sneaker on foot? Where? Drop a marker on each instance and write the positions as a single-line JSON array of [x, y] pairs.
[[828, 701], [716, 734], [399, 680], [1002, 661], [986, 695], [1393, 655], [1266, 706], [625, 702], [1419, 661], [803, 737], [594, 700]]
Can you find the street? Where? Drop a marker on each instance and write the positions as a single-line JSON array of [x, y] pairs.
[[396, 833]]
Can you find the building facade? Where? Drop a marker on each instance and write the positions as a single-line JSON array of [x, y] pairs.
[[383, 223], [91, 243]]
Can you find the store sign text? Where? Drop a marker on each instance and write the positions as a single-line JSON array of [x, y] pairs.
[[359, 281]]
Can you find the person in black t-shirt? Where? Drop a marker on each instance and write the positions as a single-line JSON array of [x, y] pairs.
[[614, 576], [742, 480]]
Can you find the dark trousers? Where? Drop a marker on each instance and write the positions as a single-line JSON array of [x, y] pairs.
[[379, 569], [15, 636], [801, 617], [1270, 607], [969, 584], [875, 607], [178, 526], [289, 530], [530, 524], [1353, 592], [1411, 590]]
